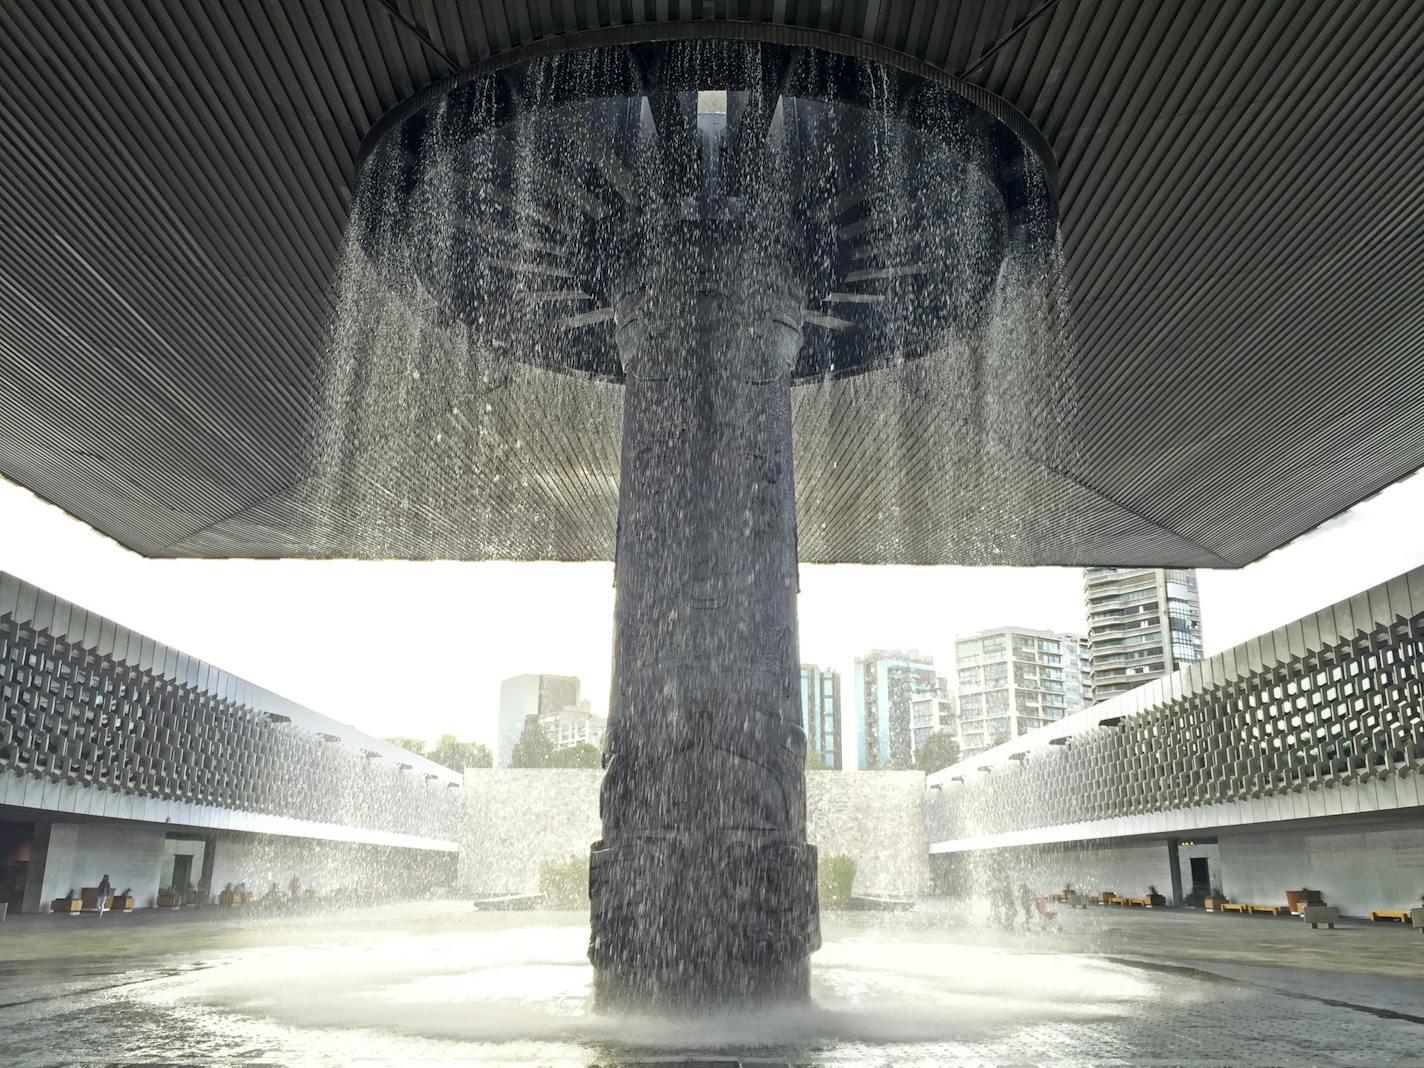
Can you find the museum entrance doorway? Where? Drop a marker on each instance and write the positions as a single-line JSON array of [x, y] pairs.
[[16, 845]]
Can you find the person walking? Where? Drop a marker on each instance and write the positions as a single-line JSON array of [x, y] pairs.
[[104, 888]]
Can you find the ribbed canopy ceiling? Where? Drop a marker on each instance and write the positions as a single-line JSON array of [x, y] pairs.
[[1240, 217]]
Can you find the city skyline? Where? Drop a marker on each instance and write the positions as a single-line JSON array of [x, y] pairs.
[[474, 624]]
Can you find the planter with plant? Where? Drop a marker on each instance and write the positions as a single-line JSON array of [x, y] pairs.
[[563, 884], [835, 879], [1154, 899], [1297, 900], [68, 903], [167, 898]]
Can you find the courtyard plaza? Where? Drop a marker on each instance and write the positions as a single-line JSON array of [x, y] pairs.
[[437, 981]]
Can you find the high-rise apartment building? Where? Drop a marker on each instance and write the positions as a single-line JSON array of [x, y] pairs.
[[1013, 679], [529, 695], [887, 682], [821, 713], [1142, 623], [932, 714], [573, 725]]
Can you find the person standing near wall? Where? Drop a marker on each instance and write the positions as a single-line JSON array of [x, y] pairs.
[[104, 888]]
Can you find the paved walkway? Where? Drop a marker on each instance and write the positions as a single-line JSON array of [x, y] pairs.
[[1186, 935], [440, 981], [156, 932], [1196, 936]]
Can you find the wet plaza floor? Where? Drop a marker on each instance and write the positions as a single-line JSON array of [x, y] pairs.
[[438, 983]]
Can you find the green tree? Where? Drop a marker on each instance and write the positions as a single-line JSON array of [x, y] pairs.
[[835, 878], [533, 748], [939, 750], [564, 883], [815, 762], [579, 755], [457, 755], [414, 745]]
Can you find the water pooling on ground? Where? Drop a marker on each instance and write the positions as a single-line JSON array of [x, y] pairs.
[[516, 989]]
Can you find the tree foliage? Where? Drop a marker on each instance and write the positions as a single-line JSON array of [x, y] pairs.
[[835, 878], [449, 752], [457, 755], [579, 755], [815, 762], [533, 748], [939, 750], [564, 883]]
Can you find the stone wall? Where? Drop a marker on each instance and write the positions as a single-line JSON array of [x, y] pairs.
[[79, 854], [365, 871], [878, 819], [1356, 867], [1128, 869], [518, 818]]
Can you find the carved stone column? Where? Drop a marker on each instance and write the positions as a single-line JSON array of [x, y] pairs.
[[703, 887]]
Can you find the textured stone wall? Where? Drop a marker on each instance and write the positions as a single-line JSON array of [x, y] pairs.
[[877, 818], [79, 854], [366, 872], [1357, 868], [516, 819]]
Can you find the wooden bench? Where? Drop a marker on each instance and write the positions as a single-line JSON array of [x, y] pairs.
[[1234, 906], [1271, 910], [1389, 914]]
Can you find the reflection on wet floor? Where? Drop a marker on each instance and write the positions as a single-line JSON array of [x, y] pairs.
[[514, 988]]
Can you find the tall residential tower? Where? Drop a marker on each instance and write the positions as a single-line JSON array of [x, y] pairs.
[[1012, 679], [821, 713], [1142, 623], [887, 683], [529, 695]]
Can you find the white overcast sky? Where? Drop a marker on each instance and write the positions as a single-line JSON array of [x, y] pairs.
[[417, 649]]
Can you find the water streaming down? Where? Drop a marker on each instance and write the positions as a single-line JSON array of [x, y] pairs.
[[657, 272]]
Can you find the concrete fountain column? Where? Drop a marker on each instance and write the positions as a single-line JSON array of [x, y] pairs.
[[703, 887]]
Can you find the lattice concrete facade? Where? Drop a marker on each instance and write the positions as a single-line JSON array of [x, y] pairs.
[[101, 721], [1324, 716]]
